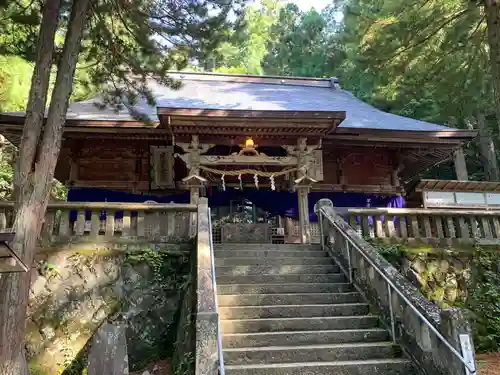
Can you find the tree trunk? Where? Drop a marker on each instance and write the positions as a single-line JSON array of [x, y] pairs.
[[492, 10], [35, 109], [487, 147], [14, 288]]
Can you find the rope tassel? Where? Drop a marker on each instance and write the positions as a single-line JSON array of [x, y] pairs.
[[223, 183], [256, 180]]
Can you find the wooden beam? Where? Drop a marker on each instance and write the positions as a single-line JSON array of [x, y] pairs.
[[250, 131], [248, 160], [285, 120], [245, 113], [276, 80], [415, 134]]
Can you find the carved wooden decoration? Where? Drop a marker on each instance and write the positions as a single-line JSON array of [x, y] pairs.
[[248, 160], [162, 162]]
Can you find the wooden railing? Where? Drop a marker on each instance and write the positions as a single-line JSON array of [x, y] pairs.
[[90, 221], [465, 226]]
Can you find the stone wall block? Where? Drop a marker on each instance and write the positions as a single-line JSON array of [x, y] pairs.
[[108, 351], [207, 355], [94, 288], [453, 323]]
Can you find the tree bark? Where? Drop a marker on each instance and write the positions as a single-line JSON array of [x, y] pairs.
[[460, 165], [492, 10], [35, 109], [34, 197], [487, 147], [14, 288]]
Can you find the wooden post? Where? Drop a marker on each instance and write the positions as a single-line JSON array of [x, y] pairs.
[[127, 224], [305, 226], [95, 223], [194, 198], [460, 166], [73, 169]]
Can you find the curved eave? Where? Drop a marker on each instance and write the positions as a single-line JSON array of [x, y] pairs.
[[234, 123]]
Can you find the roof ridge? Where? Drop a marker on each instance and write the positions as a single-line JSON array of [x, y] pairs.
[[331, 82]]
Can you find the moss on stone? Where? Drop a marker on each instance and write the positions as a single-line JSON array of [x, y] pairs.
[[104, 283]]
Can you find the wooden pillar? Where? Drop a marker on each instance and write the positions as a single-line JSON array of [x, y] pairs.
[[194, 198], [460, 166], [397, 166], [73, 169], [305, 226]]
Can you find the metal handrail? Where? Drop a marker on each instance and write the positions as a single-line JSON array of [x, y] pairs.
[[470, 367], [214, 283]]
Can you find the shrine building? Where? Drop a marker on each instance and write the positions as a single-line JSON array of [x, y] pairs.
[[263, 149]]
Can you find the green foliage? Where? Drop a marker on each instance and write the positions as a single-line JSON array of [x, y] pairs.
[[483, 300], [15, 82], [245, 51], [185, 366], [301, 46], [393, 253], [170, 271], [426, 60], [126, 48]]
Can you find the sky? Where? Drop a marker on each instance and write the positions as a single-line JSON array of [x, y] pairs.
[[308, 4]]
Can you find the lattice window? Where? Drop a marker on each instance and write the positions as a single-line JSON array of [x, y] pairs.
[[217, 235]]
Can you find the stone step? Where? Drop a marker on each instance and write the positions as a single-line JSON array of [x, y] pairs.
[[267, 247], [311, 353], [393, 366], [262, 261], [284, 288], [275, 270], [293, 311], [282, 279], [263, 253], [293, 338], [287, 299], [299, 324]]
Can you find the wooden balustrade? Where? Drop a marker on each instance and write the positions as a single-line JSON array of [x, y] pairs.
[[479, 226], [89, 221]]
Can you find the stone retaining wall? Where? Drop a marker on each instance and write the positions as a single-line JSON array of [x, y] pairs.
[[74, 292]]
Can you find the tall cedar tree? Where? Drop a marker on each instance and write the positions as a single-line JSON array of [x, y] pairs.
[[126, 44], [428, 60]]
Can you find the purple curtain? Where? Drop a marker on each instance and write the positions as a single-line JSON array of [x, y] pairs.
[[280, 203]]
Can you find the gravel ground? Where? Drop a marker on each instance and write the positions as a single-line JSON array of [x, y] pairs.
[[488, 364], [155, 368]]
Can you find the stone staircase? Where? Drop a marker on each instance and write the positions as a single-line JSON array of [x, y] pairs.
[[288, 310]]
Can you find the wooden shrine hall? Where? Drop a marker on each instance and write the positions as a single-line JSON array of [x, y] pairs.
[[303, 136]]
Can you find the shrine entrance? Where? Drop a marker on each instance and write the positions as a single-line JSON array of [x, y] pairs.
[[271, 150], [241, 221], [249, 173]]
